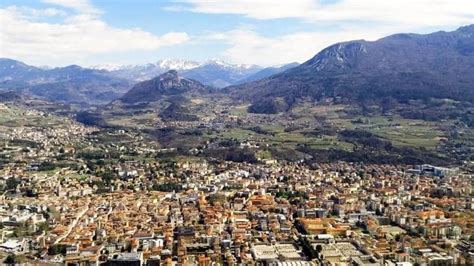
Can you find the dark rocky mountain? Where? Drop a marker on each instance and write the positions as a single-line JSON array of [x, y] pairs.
[[168, 84], [400, 67], [71, 84], [267, 72]]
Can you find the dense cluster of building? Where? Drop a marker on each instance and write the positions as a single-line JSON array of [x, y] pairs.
[[233, 213]]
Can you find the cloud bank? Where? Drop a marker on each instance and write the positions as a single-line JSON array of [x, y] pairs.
[[413, 12], [26, 34]]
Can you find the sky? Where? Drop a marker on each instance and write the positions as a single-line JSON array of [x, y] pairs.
[[262, 32]]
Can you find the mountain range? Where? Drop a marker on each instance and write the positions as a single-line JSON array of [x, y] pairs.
[[399, 67], [104, 83]]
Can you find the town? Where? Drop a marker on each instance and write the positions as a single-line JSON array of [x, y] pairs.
[[203, 212], [249, 132]]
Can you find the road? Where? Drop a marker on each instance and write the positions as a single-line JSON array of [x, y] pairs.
[[74, 223]]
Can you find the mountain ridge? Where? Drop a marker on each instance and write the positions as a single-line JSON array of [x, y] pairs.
[[71, 84], [401, 66]]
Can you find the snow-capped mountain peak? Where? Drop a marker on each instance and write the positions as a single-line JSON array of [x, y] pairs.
[[230, 65], [217, 62], [177, 64], [109, 67]]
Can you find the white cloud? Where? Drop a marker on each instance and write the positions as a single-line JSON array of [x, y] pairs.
[[401, 12], [82, 6], [32, 13], [416, 13], [25, 36], [259, 9]]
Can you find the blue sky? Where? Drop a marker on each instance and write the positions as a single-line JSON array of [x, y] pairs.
[[264, 32]]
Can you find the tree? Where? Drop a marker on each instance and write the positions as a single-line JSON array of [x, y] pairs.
[[57, 249], [108, 176], [10, 259], [12, 183], [43, 227], [308, 249], [319, 248], [218, 197]]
